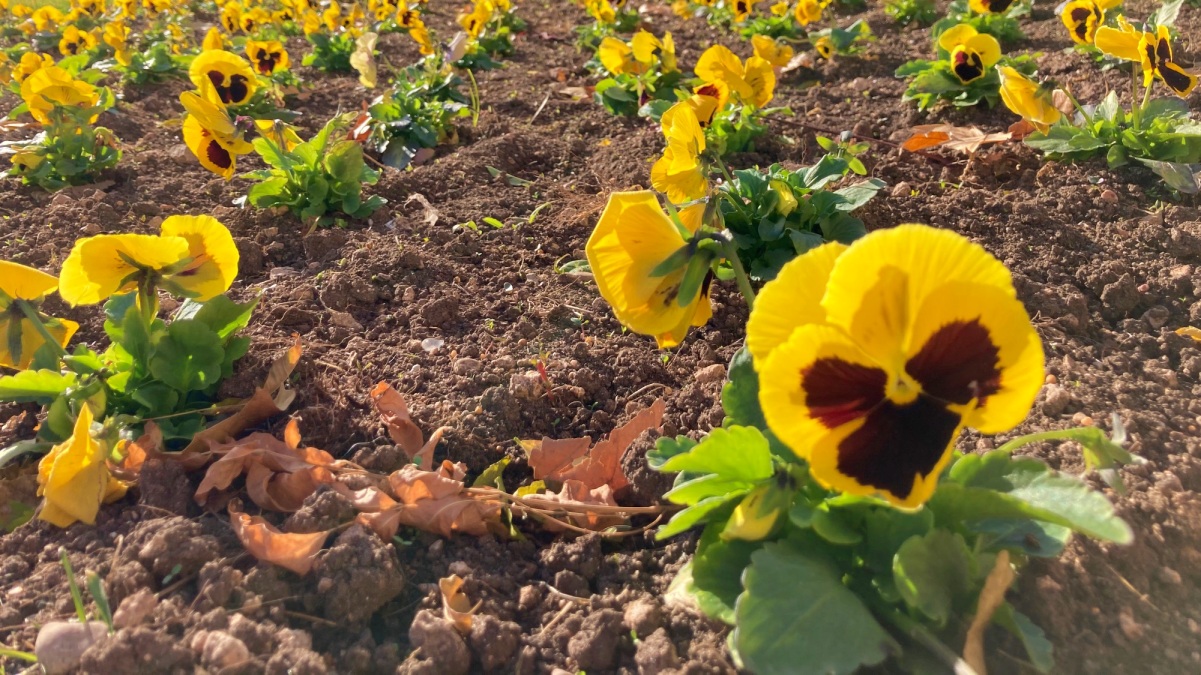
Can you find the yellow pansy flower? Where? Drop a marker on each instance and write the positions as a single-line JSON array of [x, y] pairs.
[[872, 358], [194, 257], [267, 56], [618, 57], [47, 18], [212, 40], [601, 11], [680, 173], [824, 46], [972, 53], [30, 63], [780, 9], [755, 516], [768, 49], [1153, 51], [74, 478], [646, 48], [406, 17], [211, 135], [707, 101], [231, 17], [115, 35], [1028, 99], [75, 41], [743, 9], [754, 84], [279, 133], [1082, 19], [223, 77], [421, 35], [53, 87], [634, 237], [25, 161], [19, 337], [991, 6], [809, 11], [473, 22]]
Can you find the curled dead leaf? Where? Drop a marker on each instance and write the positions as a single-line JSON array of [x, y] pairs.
[[395, 413], [571, 459], [576, 494], [992, 596], [960, 139], [280, 475], [292, 551], [434, 501], [456, 608]]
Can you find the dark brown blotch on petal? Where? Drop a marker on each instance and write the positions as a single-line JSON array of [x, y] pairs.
[[837, 392], [958, 363], [897, 443]]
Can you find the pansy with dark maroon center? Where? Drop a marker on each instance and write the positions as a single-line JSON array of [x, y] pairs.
[[1159, 53], [997, 6], [266, 60], [1082, 19], [237, 91], [968, 66], [899, 440]]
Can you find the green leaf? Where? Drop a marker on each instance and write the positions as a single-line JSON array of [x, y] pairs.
[[491, 476], [717, 570], [998, 486], [934, 573], [188, 356], [35, 386], [834, 527], [859, 194], [1178, 176], [223, 315], [270, 153], [796, 617], [666, 448], [268, 192], [345, 162], [23, 448], [700, 510], [736, 454], [842, 228], [1038, 647]]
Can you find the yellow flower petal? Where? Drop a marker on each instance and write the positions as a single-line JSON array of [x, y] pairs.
[[987, 47], [881, 281], [223, 77], [214, 254], [1119, 44], [97, 266], [955, 36], [791, 300], [761, 78], [73, 477], [19, 281], [1027, 99]]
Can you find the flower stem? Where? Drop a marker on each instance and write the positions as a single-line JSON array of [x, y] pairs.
[[740, 275], [1053, 435], [148, 301], [31, 313]]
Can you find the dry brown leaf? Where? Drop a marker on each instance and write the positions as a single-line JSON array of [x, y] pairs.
[[1063, 103], [576, 93], [575, 493], [280, 475], [991, 597], [434, 501], [960, 139], [291, 551], [431, 216], [405, 434], [268, 401], [456, 608], [1021, 129], [570, 459]]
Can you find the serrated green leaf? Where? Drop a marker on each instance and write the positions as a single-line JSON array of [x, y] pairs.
[[35, 386], [188, 356], [934, 573]]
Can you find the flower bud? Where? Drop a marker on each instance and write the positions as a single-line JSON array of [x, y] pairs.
[[757, 513], [787, 201]]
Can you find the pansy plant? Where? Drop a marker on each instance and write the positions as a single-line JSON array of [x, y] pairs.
[[964, 74], [841, 528], [641, 70], [998, 18]]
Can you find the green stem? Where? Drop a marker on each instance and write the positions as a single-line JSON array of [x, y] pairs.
[[722, 166], [148, 301], [740, 275], [31, 313], [935, 646], [1088, 119], [1054, 435], [1146, 100], [1136, 111]]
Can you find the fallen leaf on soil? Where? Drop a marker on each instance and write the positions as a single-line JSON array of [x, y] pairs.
[[998, 582], [434, 501], [392, 407], [431, 215], [576, 494], [576, 93], [456, 608], [960, 139], [1021, 129], [1063, 102], [570, 459], [280, 475], [268, 401], [291, 551], [1189, 331]]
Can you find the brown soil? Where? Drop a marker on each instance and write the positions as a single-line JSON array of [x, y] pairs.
[[1106, 276]]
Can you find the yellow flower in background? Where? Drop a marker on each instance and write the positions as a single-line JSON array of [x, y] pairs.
[[25, 161], [223, 77], [780, 9], [473, 22], [753, 83], [231, 17], [809, 11], [768, 49], [872, 358], [311, 23], [19, 338], [75, 41], [972, 53], [116, 34], [707, 101], [332, 16], [1153, 51], [1083, 17], [406, 17], [52, 87], [194, 257], [267, 55], [618, 57], [281, 134], [74, 477], [646, 48], [743, 9], [421, 35], [211, 135], [824, 46], [601, 11], [632, 238], [251, 20], [1028, 99], [212, 40], [680, 173], [47, 18], [991, 6], [30, 63]]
